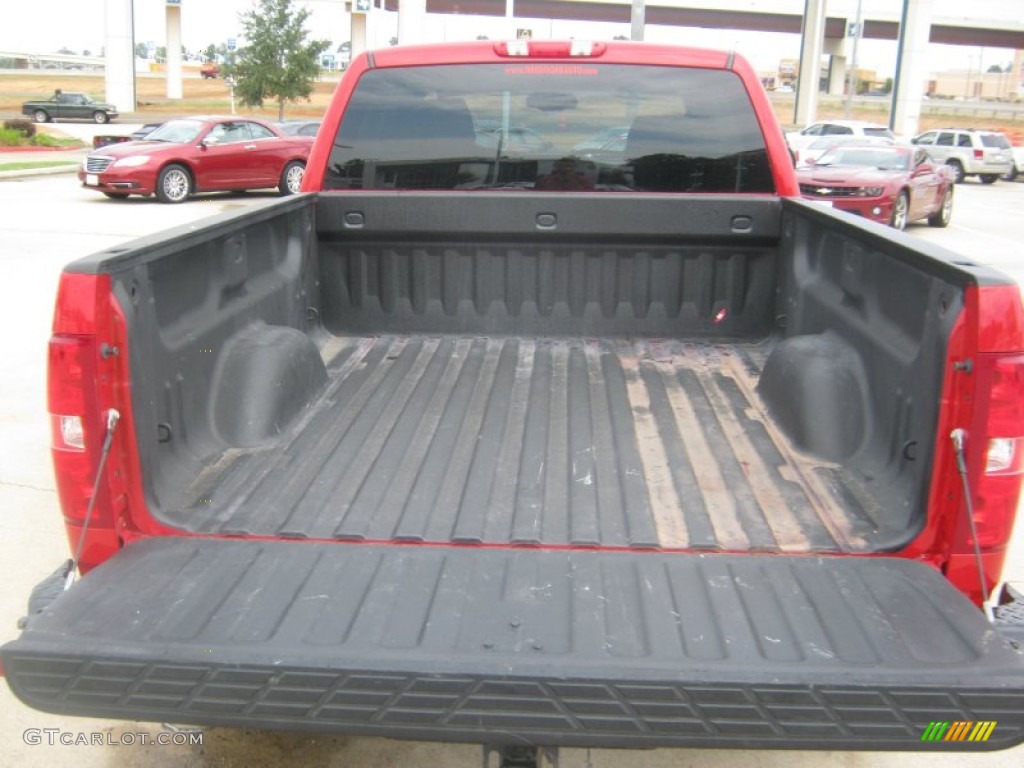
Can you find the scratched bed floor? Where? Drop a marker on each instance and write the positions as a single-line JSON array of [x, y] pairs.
[[626, 443]]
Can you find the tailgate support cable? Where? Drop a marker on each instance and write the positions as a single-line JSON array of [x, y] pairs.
[[959, 437], [72, 565]]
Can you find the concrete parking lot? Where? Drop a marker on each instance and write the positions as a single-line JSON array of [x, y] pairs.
[[48, 221]]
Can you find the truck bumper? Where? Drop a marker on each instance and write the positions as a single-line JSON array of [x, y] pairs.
[[525, 646]]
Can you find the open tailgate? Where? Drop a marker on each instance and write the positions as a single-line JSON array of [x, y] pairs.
[[548, 647]]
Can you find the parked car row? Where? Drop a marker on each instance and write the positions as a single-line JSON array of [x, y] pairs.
[[893, 185], [985, 154], [865, 169], [199, 154], [967, 151]]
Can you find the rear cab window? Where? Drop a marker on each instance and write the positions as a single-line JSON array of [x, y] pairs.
[[884, 133], [578, 127]]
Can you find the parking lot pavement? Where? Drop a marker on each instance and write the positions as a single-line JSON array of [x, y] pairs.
[[47, 222], [985, 225]]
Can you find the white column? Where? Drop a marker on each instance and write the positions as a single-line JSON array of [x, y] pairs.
[[837, 76], [835, 49], [911, 66], [173, 64], [812, 39], [411, 21], [637, 19], [358, 35], [119, 47]]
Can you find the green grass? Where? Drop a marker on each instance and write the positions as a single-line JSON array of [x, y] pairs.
[[33, 164], [43, 140], [12, 138]]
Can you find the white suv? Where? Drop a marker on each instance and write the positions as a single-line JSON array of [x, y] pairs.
[[799, 140], [985, 154]]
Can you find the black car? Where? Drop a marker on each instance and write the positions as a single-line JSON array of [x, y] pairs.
[[300, 127], [103, 140], [144, 131]]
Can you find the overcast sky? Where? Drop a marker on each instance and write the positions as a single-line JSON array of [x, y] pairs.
[[79, 24]]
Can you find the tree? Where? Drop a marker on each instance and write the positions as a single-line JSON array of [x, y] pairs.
[[141, 51], [278, 62], [994, 68]]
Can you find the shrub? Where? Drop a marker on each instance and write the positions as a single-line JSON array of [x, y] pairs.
[[25, 127], [11, 138]]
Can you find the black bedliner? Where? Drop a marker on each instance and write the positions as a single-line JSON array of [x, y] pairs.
[[584, 442], [523, 646]]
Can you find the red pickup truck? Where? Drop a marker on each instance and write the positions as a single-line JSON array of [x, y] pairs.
[[528, 445]]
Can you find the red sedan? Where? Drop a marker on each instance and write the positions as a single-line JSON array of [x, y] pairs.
[[893, 185], [199, 154]]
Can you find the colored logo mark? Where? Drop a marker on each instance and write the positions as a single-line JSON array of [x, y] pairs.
[[962, 730]]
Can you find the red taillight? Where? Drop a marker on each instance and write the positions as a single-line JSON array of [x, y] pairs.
[[70, 369], [996, 449], [979, 154], [73, 398], [76, 429], [550, 49]]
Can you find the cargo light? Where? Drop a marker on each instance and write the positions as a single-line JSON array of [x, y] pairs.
[[550, 49]]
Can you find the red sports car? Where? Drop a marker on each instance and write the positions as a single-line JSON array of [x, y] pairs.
[[199, 154], [893, 185]]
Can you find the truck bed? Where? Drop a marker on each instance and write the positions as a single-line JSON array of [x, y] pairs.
[[386, 373], [580, 442]]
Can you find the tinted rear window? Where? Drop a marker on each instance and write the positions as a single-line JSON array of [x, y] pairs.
[[995, 140], [883, 132], [546, 126]]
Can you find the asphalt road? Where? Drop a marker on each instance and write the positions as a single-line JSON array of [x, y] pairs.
[[48, 221]]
